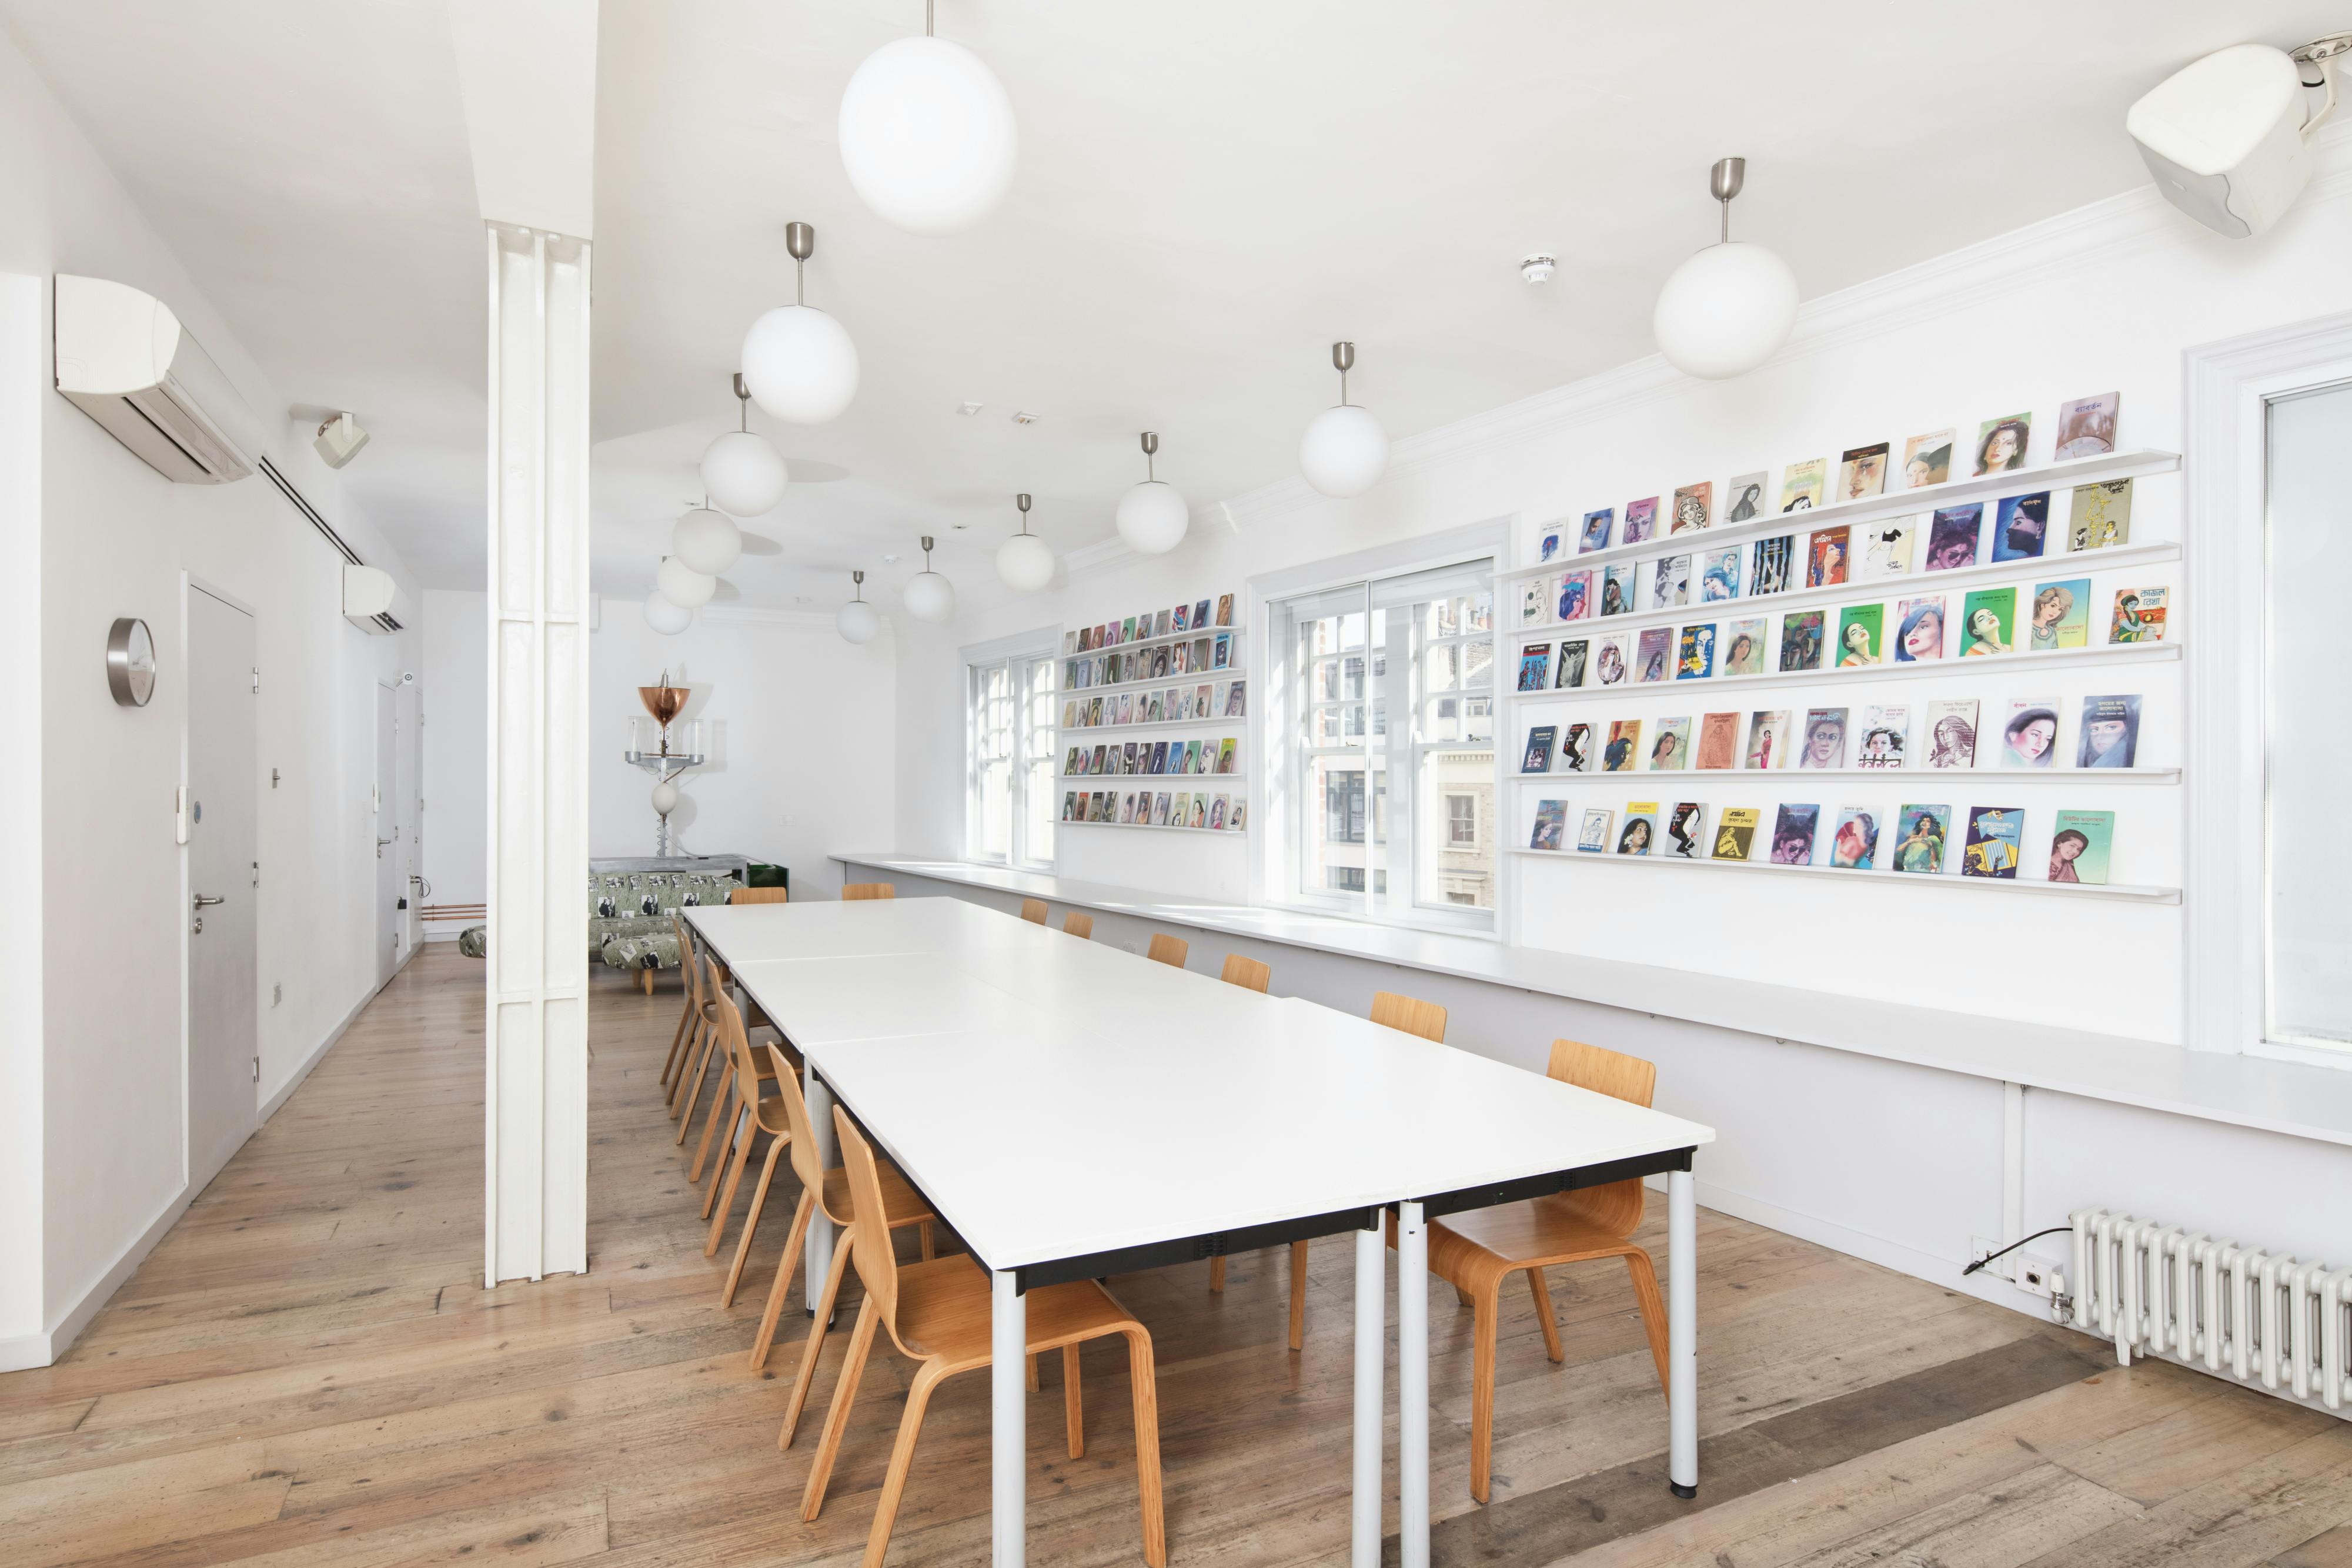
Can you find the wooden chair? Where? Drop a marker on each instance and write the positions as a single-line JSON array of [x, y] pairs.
[[1081, 926], [1034, 911], [1477, 1250], [1166, 949], [857, 890], [758, 896], [730, 1101], [1246, 973], [690, 1022], [752, 1113], [938, 1314]]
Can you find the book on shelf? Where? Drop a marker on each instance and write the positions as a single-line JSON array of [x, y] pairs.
[[1928, 459], [1670, 744], [1803, 484], [2086, 427], [1993, 836], [1921, 833], [1768, 738], [1862, 471], [1883, 549], [1537, 758], [2029, 738], [2060, 616], [2109, 737], [1670, 582], [1655, 651], [1572, 656], [1919, 629], [1952, 733], [1988, 622], [1576, 749], [2100, 515], [2138, 615], [1885, 736], [1735, 837], [1861, 634], [1624, 745], [1694, 658], [1718, 740], [1825, 556], [1854, 844], [2020, 527], [1534, 666], [1640, 833], [1551, 822], [1743, 498], [1641, 521], [2002, 442], [1792, 834], [1685, 835], [1592, 834], [1694, 505], [2080, 842], [1824, 738], [1952, 534], [1743, 647]]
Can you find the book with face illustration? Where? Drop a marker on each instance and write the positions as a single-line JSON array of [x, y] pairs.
[[1951, 736], [1862, 635], [2020, 525], [1773, 565], [1227, 750], [1885, 736], [2086, 426], [1718, 740], [1641, 521], [1768, 738], [2079, 844], [1694, 657], [1595, 534], [2138, 615], [1743, 647], [1802, 484], [1883, 549], [2110, 732], [1576, 749], [1919, 629], [1236, 699], [2001, 442], [1792, 834], [1225, 610], [1735, 839], [1639, 836], [1802, 632], [1928, 459], [1862, 471], [1993, 836], [1238, 818], [1952, 536], [1624, 745], [1551, 822], [1617, 590], [1685, 830], [1825, 557], [1670, 581], [1718, 576], [1693, 508], [1920, 834], [1573, 657], [2100, 515], [1654, 653], [1670, 744], [1573, 601], [1612, 660], [1854, 845], [1988, 622], [1218, 806], [1743, 498], [1534, 603], [2059, 616], [1823, 745], [2029, 738], [1592, 835], [1069, 805]]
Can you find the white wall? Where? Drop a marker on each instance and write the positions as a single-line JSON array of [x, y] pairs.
[[113, 537], [456, 637]]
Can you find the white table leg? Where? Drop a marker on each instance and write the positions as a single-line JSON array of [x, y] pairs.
[[1008, 1421], [1682, 1334], [1372, 1358], [1413, 1385], [817, 1252]]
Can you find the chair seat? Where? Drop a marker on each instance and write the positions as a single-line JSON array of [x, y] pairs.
[[1480, 1246], [903, 1203], [943, 1312]]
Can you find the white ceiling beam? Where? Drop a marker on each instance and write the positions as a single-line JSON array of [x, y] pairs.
[[527, 73]]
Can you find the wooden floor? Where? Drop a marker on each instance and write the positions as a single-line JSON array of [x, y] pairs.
[[308, 1372]]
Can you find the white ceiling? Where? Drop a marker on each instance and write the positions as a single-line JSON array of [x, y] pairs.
[[1209, 193]]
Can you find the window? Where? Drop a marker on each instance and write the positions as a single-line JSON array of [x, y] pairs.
[[1012, 766], [1382, 697]]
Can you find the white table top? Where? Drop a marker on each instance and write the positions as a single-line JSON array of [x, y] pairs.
[[1055, 1097]]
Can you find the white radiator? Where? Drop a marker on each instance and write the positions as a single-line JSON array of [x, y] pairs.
[[2269, 1322]]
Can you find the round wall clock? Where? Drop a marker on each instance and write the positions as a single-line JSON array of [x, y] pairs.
[[131, 662]]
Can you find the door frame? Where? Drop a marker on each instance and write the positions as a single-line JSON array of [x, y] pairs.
[[191, 583]]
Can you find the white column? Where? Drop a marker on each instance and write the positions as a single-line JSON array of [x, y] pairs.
[[1682, 1334], [536, 1036], [1412, 1386], [1372, 1358], [1008, 1421]]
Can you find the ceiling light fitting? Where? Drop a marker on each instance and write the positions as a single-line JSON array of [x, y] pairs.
[[744, 473], [1152, 516], [1344, 450], [926, 133], [798, 362], [1537, 266], [858, 621], [1728, 308], [1025, 562], [928, 595]]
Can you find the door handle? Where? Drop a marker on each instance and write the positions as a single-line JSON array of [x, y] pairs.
[[204, 901]]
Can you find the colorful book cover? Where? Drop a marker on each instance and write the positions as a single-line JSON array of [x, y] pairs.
[[1694, 658], [1193, 761], [2138, 615], [1226, 750], [1239, 819], [1200, 808], [1574, 599], [1802, 484], [1624, 745], [1218, 807], [1743, 648], [1534, 603], [1551, 822], [1718, 740], [1670, 747], [1743, 498], [1612, 660], [1224, 659], [2079, 845], [1768, 738], [1236, 699], [1158, 756], [1885, 736], [1549, 539], [1735, 836], [1792, 834], [1993, 836], [1572, 658], [1952, 536], [2086, 426], [1952, 733], [2021, 527], [1537, 758], [1182, 620], [1925, 830], [1862, 635], [2101, 514], [1800, 639], [1988, 622], [1127, 630], [1641, 521], [1534, 666], [1825, 739], [1670, 581], [1825, 557], [2110, 733], [1225, 610], [1919, 630], [1069, 805], [2030, 737], [1617, 589], [1576, 749], [1179, 811], [1862, 471], [1719, 575], [1883, 549], [2001, 442], [1694, 507], [1775, 560], [1655, 650], [1854, 845], [1685, 830], [1928, 459], [1592, 834], [1640, 833], [2061, 617], [1595, 534]]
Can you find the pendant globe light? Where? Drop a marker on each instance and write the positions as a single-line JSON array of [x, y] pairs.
[[1152, 517], [1344, 449], [858, 621], [798, 362], [1728, 308], [682, 585], [1024, 562], [927, 134], [744, 473], [708, 541], [929, 596], [667, 618]]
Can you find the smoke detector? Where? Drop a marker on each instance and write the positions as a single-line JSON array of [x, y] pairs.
[[1022, 416], [1538, 268]]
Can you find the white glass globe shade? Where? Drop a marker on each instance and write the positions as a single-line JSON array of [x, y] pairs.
[[682, 585], [1343, 451], [664, 798], [666, 617], [707, 541], [800, 364], [928, 137], [858, 621], [1726, 311], [931, 597], [744, 474], [1152, 518], [1025, 562]]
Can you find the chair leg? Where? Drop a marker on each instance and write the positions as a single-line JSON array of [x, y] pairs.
[[1073, 1414], [1298, 1295], [719, 1100], [694, 1093], [776, 1145], [1217, 1272], [902, 1459], [678, 1040], [742, 1132], [1654, 1310], [807, 1372], [930, 1242], [1032, 1372], [1486, 1306], [693, 1054], [1542, 1293], [1461, 1295], [1147, 1446], [780, 1291], [837, 1417]]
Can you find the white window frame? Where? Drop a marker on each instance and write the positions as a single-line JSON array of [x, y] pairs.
[[1018, 655]]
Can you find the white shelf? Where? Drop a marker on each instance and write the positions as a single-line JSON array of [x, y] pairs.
[[1896, 504], [2004, 775], [1173, 637], [2126, 892], [2063, 658], [1070, 729], [1909, 585], [1189, 678], [1161, 828], [1138, 781]]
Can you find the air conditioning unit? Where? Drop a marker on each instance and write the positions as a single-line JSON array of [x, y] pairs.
[[124, 359], [372, 600]]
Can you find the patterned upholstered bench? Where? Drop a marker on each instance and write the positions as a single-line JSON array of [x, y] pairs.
[[630, 903]]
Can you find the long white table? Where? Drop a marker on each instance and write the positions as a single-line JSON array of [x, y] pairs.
[[1171, 1117]]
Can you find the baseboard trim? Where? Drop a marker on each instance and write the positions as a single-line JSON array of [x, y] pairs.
[[319, 1052]]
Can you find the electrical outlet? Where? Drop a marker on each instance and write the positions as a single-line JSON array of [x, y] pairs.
[[2039, 1275], [1983, 1247]]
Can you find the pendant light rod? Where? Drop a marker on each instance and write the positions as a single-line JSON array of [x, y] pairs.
[[1343, 359], [743, 396], [927, 553], [927, 17], [800, 239], [1022, 500], [1150, 449], [859, 577], [1725, 179]]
